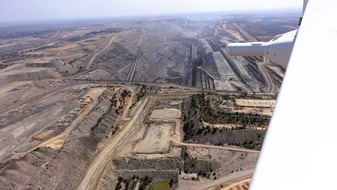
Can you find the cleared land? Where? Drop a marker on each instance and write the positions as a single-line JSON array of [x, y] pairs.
[[157, 139], [127, 103]]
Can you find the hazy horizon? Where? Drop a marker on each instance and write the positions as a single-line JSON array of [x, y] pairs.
[[41, 10]]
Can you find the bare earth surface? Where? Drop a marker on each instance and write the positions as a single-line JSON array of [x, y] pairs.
[[108, 104]]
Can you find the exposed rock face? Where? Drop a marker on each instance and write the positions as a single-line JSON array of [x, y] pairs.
[[47, 168]]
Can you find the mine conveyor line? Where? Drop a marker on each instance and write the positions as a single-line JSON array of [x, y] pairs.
[[134, 65], [209, 74], [244, 34], [216, 46]]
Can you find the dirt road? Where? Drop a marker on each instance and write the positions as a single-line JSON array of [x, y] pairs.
[[57, 33], [221, 181], [96, 54], [235, 184], [115, 145], [214, 147], [265, 74]]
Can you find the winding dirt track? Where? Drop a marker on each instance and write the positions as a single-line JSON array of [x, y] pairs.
[[265, 74], [96, 54], [270, 87]]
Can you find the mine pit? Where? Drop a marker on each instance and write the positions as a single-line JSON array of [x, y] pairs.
[[134, 104]]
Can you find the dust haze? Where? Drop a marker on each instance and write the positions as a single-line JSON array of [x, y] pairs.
[[152, 102]]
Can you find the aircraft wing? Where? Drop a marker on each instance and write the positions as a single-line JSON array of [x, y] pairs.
[[300, 148]]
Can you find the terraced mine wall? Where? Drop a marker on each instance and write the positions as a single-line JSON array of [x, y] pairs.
[[44, 65], [38, 75], [277, 79], [47, 168], [163, 169], [195, 111]]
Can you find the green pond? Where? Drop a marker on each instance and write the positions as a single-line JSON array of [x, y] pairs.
[[162, 185]]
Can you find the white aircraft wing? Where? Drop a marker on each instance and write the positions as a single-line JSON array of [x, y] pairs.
[[300, 148]]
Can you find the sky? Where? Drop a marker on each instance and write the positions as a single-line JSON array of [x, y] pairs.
[[26, 10]]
